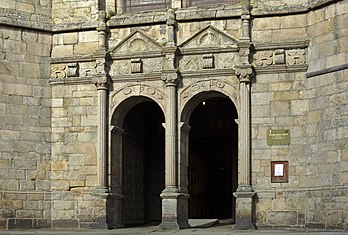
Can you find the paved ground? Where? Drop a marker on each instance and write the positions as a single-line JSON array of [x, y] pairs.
[[215, 230]]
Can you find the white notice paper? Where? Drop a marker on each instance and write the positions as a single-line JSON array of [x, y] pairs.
[[278, 170]]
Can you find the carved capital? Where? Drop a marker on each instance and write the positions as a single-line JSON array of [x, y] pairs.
[[244, 73], [101, 82], [171, 79]]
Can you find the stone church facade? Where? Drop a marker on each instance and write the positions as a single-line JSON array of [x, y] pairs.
[[122, 112]]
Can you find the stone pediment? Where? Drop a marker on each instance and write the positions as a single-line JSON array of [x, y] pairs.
[[209, 37], [135, 43]]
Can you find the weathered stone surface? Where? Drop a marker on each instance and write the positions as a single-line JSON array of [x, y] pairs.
[[49, 133]]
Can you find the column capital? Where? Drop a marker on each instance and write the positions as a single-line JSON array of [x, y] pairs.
[[170, 79], [101, 82], [244, 73]]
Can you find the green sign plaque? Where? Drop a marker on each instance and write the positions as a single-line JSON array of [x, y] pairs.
[[278, 137]]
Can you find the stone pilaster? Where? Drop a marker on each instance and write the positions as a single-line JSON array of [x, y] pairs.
[[101, 82], [244, 194]]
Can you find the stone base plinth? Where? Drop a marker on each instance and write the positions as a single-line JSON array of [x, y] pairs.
[[174, 210], [244, 208]]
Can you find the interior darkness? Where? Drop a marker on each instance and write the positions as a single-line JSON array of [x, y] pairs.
[[143, 166], [213, 159]]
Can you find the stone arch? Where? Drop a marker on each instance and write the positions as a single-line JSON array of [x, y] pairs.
[[127, 97], [202, 90], [121, 102], [189, 99]]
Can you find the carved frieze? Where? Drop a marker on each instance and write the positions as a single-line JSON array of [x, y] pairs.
[[73, 70], [279, 57], [126, 67]]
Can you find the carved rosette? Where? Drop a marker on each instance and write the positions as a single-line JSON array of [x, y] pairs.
[[296, 57], [244, 73], [263, 58]]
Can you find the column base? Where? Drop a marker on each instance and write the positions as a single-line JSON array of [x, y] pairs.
[[114, 205], [244, 208], [174, 210]]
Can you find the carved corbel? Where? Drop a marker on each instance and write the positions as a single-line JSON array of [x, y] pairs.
[[244, 73]]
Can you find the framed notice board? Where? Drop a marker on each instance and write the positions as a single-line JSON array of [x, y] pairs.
[[279, 171], [278, 137]]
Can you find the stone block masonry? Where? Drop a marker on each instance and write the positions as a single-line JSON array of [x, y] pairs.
[[70, 72], [25, 128]]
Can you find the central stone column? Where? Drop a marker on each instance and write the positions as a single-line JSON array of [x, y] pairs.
[[244, 195], [174, 203]]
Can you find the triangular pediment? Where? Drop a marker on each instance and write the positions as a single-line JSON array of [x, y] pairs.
[[209, 37], [137, 42]]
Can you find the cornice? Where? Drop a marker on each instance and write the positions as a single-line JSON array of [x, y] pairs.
[[281, 45], [280, 69]]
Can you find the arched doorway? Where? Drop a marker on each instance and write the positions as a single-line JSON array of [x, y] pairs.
[[213, 159], [143, 168]]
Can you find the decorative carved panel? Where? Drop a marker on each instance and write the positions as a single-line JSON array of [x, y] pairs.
[[137, 42], [296, 57], [209, 37], [71, 70]]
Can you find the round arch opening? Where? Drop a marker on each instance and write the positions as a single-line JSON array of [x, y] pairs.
[[213, 158], [138, 158]]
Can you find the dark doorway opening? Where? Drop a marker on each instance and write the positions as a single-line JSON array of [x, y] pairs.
[[143, 166], [213, 160]]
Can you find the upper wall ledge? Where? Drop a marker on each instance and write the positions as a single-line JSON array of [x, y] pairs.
[[293, 9], [14, 18]]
